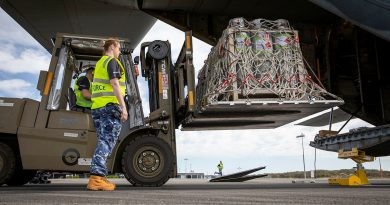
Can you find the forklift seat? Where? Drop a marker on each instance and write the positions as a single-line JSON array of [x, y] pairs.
[[72, 102]]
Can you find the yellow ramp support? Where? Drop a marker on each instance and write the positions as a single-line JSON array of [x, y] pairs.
[[348, 180], [360, 177]]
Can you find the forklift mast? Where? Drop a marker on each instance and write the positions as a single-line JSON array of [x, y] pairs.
[[171, 86]]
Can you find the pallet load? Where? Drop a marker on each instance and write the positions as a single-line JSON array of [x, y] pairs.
[[255, 78], [258, 62]]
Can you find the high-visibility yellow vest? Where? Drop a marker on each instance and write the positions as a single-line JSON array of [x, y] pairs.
[[220, 166], [102, 92], [80, 99]]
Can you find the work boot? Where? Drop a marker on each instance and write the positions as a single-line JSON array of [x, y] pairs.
[[100, 183]]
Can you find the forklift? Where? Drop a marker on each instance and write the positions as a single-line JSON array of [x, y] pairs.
[[50, 135]]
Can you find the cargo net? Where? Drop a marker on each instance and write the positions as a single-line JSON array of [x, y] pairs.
[[259, 60]]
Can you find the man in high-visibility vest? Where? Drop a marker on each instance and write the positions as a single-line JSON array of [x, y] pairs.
[[83, 90], [220, 167], [108, 110]]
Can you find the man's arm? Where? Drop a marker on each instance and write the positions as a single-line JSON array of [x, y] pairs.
[[114, 75], [84, 84], [86, 94], [117, 91]]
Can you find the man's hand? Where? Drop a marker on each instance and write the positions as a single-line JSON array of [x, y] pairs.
[[86, 94], [124, 115], [136, 71], [117, 91]]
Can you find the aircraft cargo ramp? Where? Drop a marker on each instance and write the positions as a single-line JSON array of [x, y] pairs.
[[255, 77], [373, 141]]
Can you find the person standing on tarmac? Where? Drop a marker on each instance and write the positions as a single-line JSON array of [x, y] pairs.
[[220, 167], [83, 90], [108, 110]]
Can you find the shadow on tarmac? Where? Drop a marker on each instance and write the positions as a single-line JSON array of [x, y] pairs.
[[178, 187]]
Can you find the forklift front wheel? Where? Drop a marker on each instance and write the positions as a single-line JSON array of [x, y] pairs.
[[147, 161]]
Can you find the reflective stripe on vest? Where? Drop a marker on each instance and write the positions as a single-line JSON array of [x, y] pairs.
[[80, 100], [102, 92], [98, 80]]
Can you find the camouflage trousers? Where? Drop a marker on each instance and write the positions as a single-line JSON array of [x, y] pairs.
[[108, 128]]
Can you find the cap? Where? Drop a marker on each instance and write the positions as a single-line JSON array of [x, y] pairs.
[[86, 69]]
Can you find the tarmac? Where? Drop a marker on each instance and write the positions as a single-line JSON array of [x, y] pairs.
[[199, 191]]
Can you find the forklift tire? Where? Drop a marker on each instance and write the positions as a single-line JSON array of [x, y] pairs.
[[21, 177], [7, 163], [147, 161]]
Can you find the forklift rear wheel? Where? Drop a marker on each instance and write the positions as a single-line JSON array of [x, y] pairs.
[[7, 163], [147, 161], [21, 176]]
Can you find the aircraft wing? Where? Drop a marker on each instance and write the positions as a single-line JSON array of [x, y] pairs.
[[371, 15], [43, 19]]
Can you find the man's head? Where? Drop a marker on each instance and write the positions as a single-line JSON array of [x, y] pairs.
[[112, 48], [89, 73]]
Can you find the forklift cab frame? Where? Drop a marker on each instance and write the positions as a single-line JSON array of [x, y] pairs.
[[70, 54]]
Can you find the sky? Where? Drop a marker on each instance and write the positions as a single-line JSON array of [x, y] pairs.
[[21, 59]]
